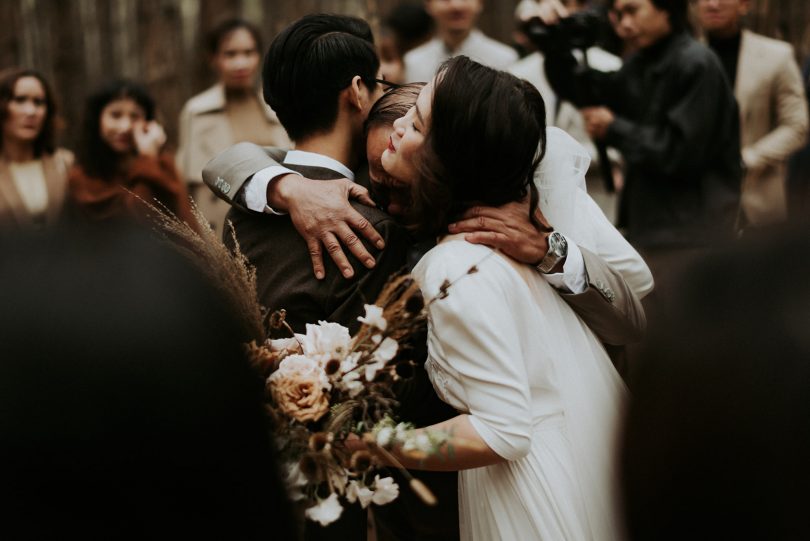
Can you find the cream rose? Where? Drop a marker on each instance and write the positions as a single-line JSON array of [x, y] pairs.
[[298, 388]]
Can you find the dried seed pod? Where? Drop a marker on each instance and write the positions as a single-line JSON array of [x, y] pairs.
[[405, 369], [331, 367], [318, 441], [361, 461], [415, 303]]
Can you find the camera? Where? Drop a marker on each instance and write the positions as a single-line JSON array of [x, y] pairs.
[[581, 31]]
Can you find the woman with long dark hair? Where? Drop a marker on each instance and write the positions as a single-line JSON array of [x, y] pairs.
[[539, 400], [33, 171], [120, 162]]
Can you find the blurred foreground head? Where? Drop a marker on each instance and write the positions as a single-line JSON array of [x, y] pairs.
[[127, 408], [718, 434]]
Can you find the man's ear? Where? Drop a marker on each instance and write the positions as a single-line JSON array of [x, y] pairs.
[[357, 93]]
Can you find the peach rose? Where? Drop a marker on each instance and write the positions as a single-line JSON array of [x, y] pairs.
[[298, 388]]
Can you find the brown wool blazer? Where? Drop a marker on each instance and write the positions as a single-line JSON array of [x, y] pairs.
[[284, 271]]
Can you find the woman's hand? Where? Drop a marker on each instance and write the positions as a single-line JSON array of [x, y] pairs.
[[149, 138]]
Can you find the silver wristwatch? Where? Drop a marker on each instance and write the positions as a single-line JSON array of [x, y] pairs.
[[557, 251]]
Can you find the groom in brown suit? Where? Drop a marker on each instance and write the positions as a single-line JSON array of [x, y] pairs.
[[319, 76]]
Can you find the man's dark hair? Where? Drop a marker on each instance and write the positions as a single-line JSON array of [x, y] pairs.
[[310, 63], [485, 137], [215, 37]]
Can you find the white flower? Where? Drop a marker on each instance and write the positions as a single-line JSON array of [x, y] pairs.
[[355, 492], [354, 387], [280, 344], [372, 369], [419, 442], [384, 436], [349, 363], [374, 317], [295, 480], [339, 480], [326, 512], [350, 383], [325, 341], [423, 443], [385, 490], [402, 430], [387, 350]]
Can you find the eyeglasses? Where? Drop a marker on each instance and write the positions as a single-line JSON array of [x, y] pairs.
[[388, 84]]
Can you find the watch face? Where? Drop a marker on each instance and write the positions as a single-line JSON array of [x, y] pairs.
[[557, 245]]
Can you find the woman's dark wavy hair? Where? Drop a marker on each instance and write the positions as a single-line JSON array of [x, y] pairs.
[[485, 138], [45, 143], [94, 155]]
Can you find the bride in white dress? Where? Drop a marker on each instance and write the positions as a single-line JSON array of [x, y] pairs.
[[534, 387]]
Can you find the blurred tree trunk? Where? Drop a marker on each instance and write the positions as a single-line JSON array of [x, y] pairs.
[[79, 43]]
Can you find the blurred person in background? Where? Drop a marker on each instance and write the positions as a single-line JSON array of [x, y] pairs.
[[717, 438], [120, 163], [410, 24], [33, 171], [456, 34], [773, 108], [564, 114], [798, 184], [392, 65], [229, 112], [127, 407], [671, 112]]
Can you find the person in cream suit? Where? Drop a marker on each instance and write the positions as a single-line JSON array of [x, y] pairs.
[[773, 107]]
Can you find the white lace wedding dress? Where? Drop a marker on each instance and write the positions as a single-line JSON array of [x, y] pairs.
[[539, 389]]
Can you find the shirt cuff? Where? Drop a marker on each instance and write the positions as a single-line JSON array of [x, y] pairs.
[[572, 279], [255, 188]]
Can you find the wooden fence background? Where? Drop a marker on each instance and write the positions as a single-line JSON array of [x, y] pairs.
[[79, 43]]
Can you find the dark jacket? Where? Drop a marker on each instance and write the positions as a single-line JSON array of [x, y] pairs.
[[677, 126], [284, 272]]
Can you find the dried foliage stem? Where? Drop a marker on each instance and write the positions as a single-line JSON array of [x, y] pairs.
[[230, 273]]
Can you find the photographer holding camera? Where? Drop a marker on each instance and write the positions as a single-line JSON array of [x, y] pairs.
[[584, 28], [671, 113]]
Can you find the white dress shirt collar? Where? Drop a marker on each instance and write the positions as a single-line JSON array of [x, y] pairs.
[[313, 159]]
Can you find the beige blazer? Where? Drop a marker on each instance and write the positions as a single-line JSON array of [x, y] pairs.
[[774, 118], [13, 213], [204, 132]]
